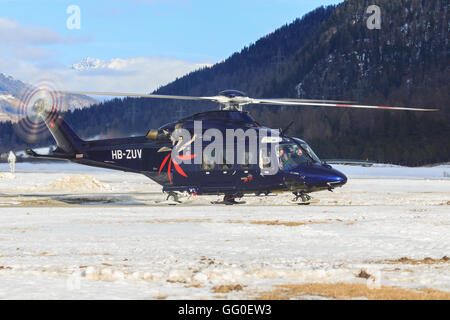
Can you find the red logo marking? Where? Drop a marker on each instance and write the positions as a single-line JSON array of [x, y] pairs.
[[247, 179], [175, 164]]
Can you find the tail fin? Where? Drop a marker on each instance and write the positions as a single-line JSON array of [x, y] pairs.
[[66, 139]]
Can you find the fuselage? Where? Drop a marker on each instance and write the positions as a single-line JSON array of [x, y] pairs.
[[298, 168]]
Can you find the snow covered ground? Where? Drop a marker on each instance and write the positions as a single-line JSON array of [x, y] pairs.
[[68, 231]]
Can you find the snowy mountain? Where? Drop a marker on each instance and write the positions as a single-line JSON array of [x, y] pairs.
[[89, 64], [6, 103], [10, 85]]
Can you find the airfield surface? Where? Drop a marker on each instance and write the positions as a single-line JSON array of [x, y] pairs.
[[71, 232]]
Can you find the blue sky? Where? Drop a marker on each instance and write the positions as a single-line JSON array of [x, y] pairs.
[[134, 37]]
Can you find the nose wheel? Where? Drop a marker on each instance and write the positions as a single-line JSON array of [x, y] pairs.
[[177, 197], [173, 197], [301, 198], [230, 199]]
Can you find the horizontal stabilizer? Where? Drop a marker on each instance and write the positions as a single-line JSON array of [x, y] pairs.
[[33, 154]]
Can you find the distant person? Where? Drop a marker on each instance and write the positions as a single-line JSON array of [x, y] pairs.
[[12, 161]]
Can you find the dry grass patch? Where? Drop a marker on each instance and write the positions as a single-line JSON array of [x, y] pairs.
[[427, 260], [341, 291], [176, 281], [24, 229], [227, 288], [5, 268], [176, 220], [40, 203], [287, 224], [363, 274], [279, 223], [257, 222], [94, 253]]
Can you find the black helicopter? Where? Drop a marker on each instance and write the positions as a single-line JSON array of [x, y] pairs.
[[275, 163]]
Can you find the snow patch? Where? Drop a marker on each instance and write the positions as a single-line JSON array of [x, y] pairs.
[[76, 183], [7, 175]]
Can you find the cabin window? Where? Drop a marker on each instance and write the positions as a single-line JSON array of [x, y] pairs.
[[248, 156], [226, 165], [208, 161], [265, 155]]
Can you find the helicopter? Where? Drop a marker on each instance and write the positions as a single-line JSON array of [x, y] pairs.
[[188, 165]]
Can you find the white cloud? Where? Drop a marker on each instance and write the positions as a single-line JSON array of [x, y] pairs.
[[31, 52], [24, 56], [20, 43], [137, 74], [12, 32]]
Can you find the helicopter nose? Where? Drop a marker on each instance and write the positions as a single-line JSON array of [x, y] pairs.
[[337, 179]]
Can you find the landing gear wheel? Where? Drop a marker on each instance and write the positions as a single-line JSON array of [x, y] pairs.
[[306, 199], [229, 199], [173, 197]]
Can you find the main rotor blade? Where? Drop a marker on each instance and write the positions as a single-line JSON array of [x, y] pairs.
[[139, 95], [246, 100], [313, 104], [220, 99], [310, 100]]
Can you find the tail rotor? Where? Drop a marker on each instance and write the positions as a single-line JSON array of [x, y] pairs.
[[41, 105]]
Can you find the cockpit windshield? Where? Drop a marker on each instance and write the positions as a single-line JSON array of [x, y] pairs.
[[310, 152], [291, 155]]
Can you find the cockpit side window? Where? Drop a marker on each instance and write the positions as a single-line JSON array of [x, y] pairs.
[[290, 155]]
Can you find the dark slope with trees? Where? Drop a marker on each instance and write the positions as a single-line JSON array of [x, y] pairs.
[[328, 54]]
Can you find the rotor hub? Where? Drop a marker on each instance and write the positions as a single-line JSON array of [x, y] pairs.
[[41, 107]]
